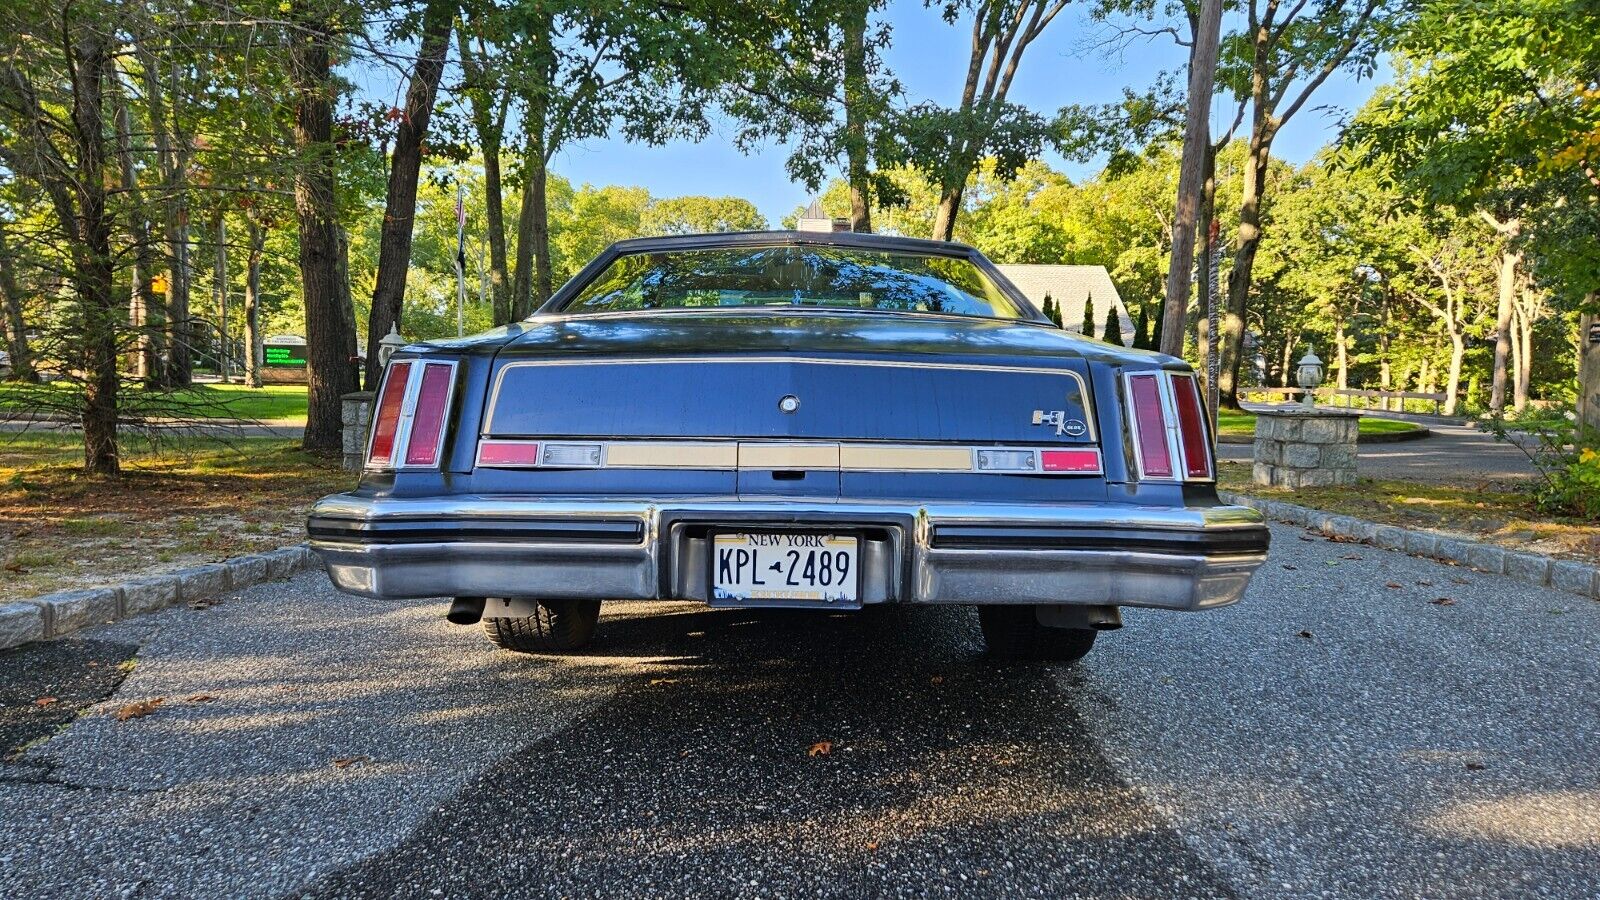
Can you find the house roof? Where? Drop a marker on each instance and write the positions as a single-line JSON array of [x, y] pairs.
[[1071, 287]]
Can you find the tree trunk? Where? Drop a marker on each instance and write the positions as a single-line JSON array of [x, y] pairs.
[[856, 117], [544, 280], [1343, 350], [91, 251], [330, 333], [219, 288], [1191, 172], [253, 348], [172, 158], [1589, 371], [1458, 353], [405, 166], [1509, 260], [1208, 227], [1244, 258], [16, 329], [488, 121], [142, 312], [522, 278], [944, 218]]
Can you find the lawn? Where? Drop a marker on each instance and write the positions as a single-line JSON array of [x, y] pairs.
[[1237, 424], [185, 502], [270, 403], [1503, 514]]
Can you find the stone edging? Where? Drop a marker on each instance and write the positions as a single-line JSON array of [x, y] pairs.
[[1534, 568], [54, 615], [1385, 437]]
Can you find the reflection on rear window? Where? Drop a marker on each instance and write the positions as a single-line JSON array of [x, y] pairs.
[[830, 277]]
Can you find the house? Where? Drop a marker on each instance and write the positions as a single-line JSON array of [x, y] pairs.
[[814, 219], [1071, 287]]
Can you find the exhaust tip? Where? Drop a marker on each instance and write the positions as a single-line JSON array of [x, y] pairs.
[[465, 610]]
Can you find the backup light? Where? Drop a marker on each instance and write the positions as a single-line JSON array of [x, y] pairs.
[[1006, 461], [572, 456]]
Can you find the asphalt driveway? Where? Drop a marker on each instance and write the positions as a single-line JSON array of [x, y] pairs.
[[1341, 733]]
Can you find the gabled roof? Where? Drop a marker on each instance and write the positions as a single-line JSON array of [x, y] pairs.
[[1071, 287]]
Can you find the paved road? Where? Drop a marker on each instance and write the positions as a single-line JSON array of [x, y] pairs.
[[1329, 737], [1453, 453]]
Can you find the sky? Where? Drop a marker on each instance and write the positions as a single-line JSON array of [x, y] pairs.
[[1068, 64]]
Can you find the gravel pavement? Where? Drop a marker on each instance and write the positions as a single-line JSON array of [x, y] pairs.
[[1330, 736]]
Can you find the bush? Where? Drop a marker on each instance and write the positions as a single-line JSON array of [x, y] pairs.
[[1567, 458]]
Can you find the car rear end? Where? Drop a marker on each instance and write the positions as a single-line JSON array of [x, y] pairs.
[[818, 459]]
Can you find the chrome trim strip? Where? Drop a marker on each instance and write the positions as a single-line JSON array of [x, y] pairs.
[[499, 378], [845, 456]]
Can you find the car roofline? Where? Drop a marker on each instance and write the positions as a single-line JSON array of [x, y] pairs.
[[782, 238]]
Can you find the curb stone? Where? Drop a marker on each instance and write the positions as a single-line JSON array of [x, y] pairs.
[[54, 615], [1534, 568]]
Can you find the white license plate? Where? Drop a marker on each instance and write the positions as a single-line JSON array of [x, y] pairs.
[[812, 568]]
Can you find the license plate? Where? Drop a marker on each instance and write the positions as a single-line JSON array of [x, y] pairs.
[[785, 567]]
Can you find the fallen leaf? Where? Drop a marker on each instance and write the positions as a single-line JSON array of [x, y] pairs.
[[44, 701], [1291, 568], [872, 846], [937, 679], [1305, 634], [199, 698], [16, 569], [345, 762], [1351, 556], [205, 602], [1392, 584], [140, 708], [1443, 601], [1423, 582], [820, 748], [1475, 766], [1306, 538], [1459, 580], [658, 681]]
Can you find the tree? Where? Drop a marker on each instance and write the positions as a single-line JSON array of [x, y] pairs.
[[1197, 146], [1050, 311], [329, 322], [16, 330], [1290, 53], [1087, 328], [700, 215], [813, 78], [1111, 333], [405, 166], [947, 143], [489, 99]]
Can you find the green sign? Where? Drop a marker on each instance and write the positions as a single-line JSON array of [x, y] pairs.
[[289, 355]]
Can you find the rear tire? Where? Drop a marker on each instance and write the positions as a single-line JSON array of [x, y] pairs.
[[558, 626], [1014, 632]]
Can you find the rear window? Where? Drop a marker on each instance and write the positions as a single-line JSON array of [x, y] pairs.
[[828, 277]]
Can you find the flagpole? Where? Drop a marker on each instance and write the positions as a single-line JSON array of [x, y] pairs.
[[461, 260]]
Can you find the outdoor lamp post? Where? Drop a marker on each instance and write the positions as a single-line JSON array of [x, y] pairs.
[[1309, 376], [388, 345]]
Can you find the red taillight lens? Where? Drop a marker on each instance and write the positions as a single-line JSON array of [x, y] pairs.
[[1081, 461], [1191, 427], [386, 425], [427, 426], [1150, 426], [508, 453]]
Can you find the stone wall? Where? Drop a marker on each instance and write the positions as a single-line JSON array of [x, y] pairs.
[[356, 414], [1305, 446]]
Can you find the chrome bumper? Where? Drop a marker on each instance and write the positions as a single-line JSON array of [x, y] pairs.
[[1168, 557]]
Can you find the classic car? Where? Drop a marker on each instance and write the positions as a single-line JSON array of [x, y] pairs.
[[789, 419]]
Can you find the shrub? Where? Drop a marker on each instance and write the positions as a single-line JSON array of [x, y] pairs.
[[1567, 458]]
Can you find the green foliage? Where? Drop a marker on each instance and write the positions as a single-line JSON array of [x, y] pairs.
[[700, 215], [1567, 458], [1052, 310], [1141, 331], [1111, 333], [1087, 328]]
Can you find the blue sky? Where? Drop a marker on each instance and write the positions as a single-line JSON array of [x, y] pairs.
[[1068, 64]]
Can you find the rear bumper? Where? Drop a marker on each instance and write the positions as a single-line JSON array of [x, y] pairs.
[[1168, 557]]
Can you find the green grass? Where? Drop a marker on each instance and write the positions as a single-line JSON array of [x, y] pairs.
[[202, 401], [1244, 423]]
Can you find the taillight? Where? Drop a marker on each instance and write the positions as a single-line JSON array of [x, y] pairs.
[[427, 424], [413, 406], [1169, 427], [1150, 426], [386, 423], [1191, 427]]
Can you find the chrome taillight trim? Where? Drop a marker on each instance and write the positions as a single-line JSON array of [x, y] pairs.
[[408, 415], [1206, 439], [1169, 420]]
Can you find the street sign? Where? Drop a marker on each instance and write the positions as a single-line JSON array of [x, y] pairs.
[[285, 355]]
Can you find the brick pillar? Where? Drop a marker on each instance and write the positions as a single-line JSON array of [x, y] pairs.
[[356, 413], [1299, 446]]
